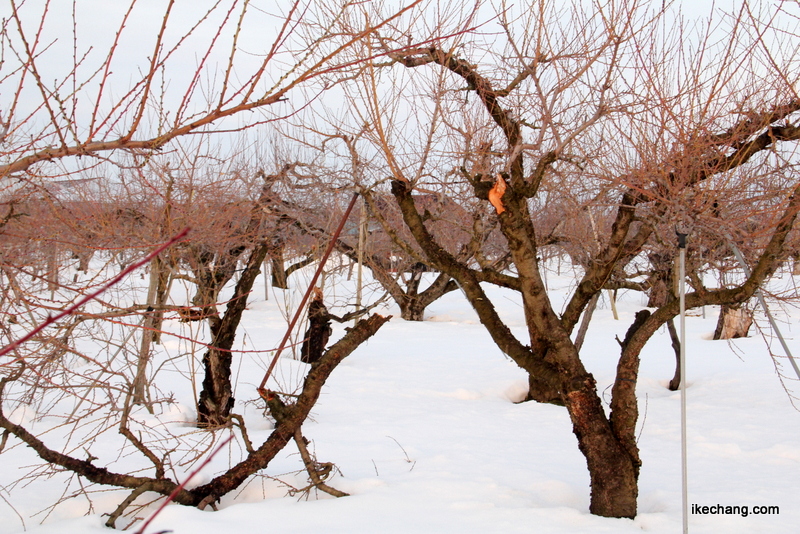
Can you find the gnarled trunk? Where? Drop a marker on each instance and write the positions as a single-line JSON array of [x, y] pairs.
[[612, 470], [216, 398], [552, 361], [544, 392]]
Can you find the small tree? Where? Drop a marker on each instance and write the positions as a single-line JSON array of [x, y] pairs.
[[68, 118]]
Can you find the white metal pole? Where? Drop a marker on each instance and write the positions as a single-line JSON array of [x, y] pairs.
[[682, 291], [760, 295]]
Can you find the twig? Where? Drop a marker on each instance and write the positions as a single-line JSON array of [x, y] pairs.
[[644, 418], [183, 484], [408, 460], [311, 467], [91, 296], [125, 431], [15, 511], [112, 518], [238, 421]]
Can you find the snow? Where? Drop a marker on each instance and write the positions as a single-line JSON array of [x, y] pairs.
[[422, 423]]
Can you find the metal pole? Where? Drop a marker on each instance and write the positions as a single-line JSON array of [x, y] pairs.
[[760, 295], [684, 471]]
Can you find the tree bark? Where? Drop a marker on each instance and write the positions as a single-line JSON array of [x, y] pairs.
[[278, 266], [216, 398], [587, 318], [318, 332], [734, 322], [612, 470], [543, 391]]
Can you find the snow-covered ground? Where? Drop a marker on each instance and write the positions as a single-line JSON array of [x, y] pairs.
[[422, 424]]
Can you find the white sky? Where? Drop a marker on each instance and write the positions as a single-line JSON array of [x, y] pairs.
[[98, 22]]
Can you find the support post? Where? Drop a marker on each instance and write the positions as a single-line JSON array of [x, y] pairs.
[[682, 292], [760, 295]]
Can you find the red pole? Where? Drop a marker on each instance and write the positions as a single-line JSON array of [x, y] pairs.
[[311, 286]]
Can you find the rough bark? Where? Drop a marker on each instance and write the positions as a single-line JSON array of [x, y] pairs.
[[319, 330], [216, 398], [544, 392], [212, 271], [734, 322], [613, 471], [624, 406], [279, 277]]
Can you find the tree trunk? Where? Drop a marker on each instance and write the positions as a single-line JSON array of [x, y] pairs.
[[413, 303], [157, 294], [319, 330], [734, 322], [661, 280], [279, 277], [84, 257], [613, 472], [411, 306], [659, 293], [587, 318], [544, 392], [216, 399], [412, 309], [675, 383]]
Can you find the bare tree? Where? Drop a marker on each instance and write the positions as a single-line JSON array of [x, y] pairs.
[[603, 104]]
